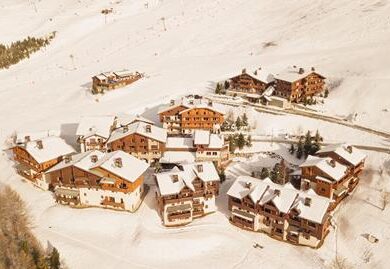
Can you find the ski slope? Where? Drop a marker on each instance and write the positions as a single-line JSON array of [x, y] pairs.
[[205, 41]]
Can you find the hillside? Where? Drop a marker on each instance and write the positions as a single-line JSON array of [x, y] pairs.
[[205, 41]]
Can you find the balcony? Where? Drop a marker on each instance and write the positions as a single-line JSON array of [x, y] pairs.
[[107, 202], [68, 200], [179, 216]]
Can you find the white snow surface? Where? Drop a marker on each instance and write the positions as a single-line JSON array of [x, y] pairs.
[[205, 40]]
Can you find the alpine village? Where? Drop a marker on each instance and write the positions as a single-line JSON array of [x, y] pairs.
[[186, 154]]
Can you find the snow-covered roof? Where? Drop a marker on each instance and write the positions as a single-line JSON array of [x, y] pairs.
[[330, 167], [52, 148], [126, 119], [82, 160], [130, 168], [201, 137], [173, 181], [260, 74], [177, 157], [350, 154], [141, 128], [204, 137], [123, 73], [291, 74], [20, 137], [284, 197], [95, 125], [179, 142], [189, 102]]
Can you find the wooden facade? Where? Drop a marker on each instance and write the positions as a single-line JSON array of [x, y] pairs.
[[139, 146], [29, 167], [182, 120], [248, 84], [287, 227], [296, 90], [112, 80]]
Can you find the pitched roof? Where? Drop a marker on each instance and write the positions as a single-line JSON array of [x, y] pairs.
[[350, 154], [95, 125], [140, 127], [52, 148], [179, 142], [130, 170], [259, 74], [81, 160], [126, 119], [336, 172], [291, 74], [20, 137], [190, 102], [177, 157], [173, 181], [284, 197]]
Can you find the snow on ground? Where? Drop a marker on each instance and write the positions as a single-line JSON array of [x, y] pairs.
[[205, 40]]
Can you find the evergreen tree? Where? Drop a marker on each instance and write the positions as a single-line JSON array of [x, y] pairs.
[[244, 120], [241, 141], [238, 123], [248, 142], [54, 259], [292, 149], [307, 143], [316, 145], [227, 84], [232, 143], [222, 176], [300, 149], [218, 89], [264, 173], [326, 94]]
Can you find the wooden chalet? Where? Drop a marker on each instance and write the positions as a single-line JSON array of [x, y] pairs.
[[327, 178], [201, 146], [186, 193], [112, 80], [142, 140], [94, 131], [295, 84], [35, 157], [110, 180], [251, 83], [190, 113], [281, 211]]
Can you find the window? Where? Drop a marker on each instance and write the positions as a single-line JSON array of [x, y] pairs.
[[214, 153]]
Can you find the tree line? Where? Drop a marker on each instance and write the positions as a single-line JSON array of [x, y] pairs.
[[18, 246], [19, 50], [307, 145]]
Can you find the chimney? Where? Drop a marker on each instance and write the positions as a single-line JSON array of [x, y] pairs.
[[332, 163], [125, 129], [301, 71], [172, 102], [248, 185], [307, 201], [175, 178], [68, 158], [210, 103], [243, 71], [277, 192], [118, 162], [313, 69], [148, 128], [199, 167], [191, 102], [27, 139], [349, 148], [94, 158], [39, 144]]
